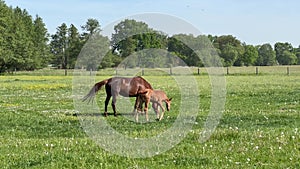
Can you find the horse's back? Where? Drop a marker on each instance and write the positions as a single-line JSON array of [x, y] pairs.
[[159, 95], [128, 87]]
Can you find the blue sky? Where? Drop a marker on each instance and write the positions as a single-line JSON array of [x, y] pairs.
[[252, 21]]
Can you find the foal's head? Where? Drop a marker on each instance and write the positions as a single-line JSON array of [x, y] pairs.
[[168, 103]]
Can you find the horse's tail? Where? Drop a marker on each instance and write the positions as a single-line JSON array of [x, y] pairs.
[[94, 90]]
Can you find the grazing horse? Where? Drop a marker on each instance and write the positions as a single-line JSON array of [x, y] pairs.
[[156, 97], [127, 87]]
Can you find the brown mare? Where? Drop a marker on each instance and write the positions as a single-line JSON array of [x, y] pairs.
[[127, 87], [156, 97]]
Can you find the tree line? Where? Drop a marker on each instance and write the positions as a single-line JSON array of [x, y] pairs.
[[23, 40], [27, 45]]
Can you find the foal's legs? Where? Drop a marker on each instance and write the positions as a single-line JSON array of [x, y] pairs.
[[137, 104], [162, 110], [147, 100], [156, 109]]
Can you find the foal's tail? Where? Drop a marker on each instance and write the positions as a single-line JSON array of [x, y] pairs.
[[94, 90]]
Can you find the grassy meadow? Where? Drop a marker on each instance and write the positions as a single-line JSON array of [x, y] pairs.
[[260, 127]]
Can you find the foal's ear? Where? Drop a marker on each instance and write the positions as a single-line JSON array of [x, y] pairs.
[[170, 99]]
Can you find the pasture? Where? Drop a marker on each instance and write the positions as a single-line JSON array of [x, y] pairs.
[[260, 127]]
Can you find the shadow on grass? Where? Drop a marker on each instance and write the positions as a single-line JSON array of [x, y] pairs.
[[100, 114]]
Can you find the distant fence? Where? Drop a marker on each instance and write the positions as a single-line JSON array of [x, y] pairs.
[[261, 70], [251, 70]]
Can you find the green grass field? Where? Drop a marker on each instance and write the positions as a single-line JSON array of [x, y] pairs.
[[260, 127]]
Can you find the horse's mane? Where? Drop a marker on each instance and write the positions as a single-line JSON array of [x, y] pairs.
[[145, 83]]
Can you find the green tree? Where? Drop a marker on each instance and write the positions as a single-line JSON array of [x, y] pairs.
[[110, 60], [74, 45], [230, 49], [58, 46], [93, 52], [212, 38], [150, 40], [184, 46], [95, 47], [21, 41], [250, 55], [266, 55], [40, 40], [288, 58], [131, 36], [297, 53], [284, 53], [122, 40], [5, 37], [91, 26]]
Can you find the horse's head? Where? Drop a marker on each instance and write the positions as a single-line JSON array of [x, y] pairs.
[[168, 103]]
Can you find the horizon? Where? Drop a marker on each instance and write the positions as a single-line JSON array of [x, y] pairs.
[[254, 22]]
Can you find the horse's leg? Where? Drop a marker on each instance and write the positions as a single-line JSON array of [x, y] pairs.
[[156, 109], [108, 96], [113, 104], [140, 105], [136, 104]]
